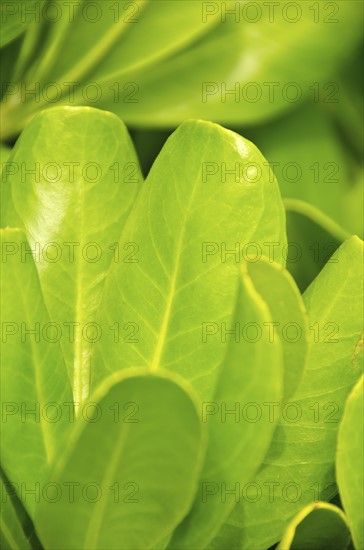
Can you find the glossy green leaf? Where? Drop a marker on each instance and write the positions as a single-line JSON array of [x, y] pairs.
[[350, 462], [12, 536], [289, 317], [35, 394], [141, 450], [318, 525], [299, 467], [82, 182], [191, 225], [240, 427]]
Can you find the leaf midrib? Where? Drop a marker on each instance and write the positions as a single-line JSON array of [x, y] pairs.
[[81, 371], [162, 334]]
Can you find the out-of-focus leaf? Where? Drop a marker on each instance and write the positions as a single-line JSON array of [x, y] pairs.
[[350, 461], [158, 63], [123, 37], [250, 55], [16, 16]]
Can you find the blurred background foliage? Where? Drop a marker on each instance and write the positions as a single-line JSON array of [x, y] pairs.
[[286, 75]]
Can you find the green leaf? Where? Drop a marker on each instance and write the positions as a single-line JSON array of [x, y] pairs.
[[288, 312], [236, 448], [15, 17], [249, 54], [36, 394], [240, 427], [163, 543], [318, 525], [105, 48], [158, 63], [190, 215], [141, 451], [299, 467], [349, 461], [12, 536], [147, 30], [73, 207]]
